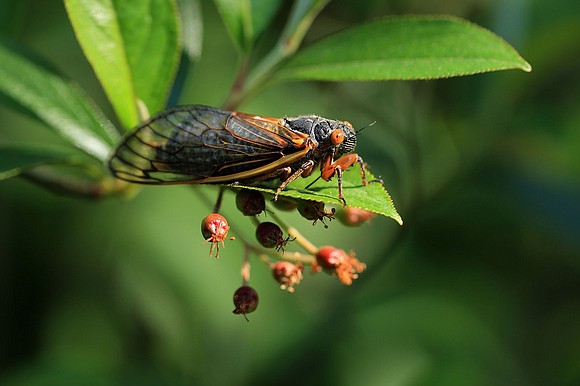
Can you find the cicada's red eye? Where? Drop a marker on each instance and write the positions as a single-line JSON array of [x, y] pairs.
[[348, 124], [337, 136]]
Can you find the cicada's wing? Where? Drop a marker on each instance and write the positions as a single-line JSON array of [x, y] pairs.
[[200, 144]]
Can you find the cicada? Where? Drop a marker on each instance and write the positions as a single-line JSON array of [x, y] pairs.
[[203, 145]]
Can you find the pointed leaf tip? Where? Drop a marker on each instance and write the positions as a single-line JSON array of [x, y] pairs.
[[404, 48]]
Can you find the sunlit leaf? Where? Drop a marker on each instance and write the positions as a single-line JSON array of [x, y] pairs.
[[59, 104], [133, 48], [191, 28], [412, 47]]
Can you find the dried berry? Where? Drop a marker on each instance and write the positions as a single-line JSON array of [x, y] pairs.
[[250, 202], [245, 300], [337, 262], [287, 274], [352, 216], [271, 236], [314, 210], [214, 229]]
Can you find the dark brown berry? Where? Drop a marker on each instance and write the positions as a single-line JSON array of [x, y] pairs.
[[245, 300], [214, 229], [315, 211], [250, 202], [352, 216], [270, 235]]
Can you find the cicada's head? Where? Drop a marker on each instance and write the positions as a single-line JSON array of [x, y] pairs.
[[345, 136]]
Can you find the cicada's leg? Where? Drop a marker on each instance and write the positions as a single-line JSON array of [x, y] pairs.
[[363, 172], [302, 169], [330, 168], [338, 170]]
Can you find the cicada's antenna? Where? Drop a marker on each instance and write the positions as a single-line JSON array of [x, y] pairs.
[[362, 128]]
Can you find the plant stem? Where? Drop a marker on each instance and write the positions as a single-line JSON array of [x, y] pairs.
[[301, 17], [72, 184], [297, 257], [218, 202], [293, 232], [303, 241], [237, 89], [245, 271]]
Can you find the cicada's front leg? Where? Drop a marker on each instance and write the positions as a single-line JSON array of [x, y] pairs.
[[303, 170], [329, 168]]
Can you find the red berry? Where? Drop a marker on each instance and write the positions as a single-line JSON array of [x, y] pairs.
[[270, 236], [352, 216], [214, 229], [330, 257], [337, 262], [314, 210], [245, 300], [250, 202]]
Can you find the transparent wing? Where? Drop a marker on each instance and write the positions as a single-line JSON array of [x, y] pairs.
[[201, 144]]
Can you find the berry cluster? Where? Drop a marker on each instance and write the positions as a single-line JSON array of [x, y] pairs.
[[287, 267]]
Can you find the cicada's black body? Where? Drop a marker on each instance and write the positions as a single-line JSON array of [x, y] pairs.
[[203, 145]]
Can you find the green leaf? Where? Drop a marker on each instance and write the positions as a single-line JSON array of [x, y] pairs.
[[59, 104], [15, 159], [133, 47], [411, 47], [151, 33], [245, 20], [262, 13], [191, 28], [372, 197]]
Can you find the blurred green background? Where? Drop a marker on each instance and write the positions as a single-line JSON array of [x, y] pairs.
[[481, 286]]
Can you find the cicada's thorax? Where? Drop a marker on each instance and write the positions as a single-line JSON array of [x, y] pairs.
[[320, 130]]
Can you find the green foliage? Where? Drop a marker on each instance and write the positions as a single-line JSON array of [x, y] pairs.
[[245, 20], [61, 105], [404, 48], [15, 159], [134, 49], [192, 28], [479, 287]]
